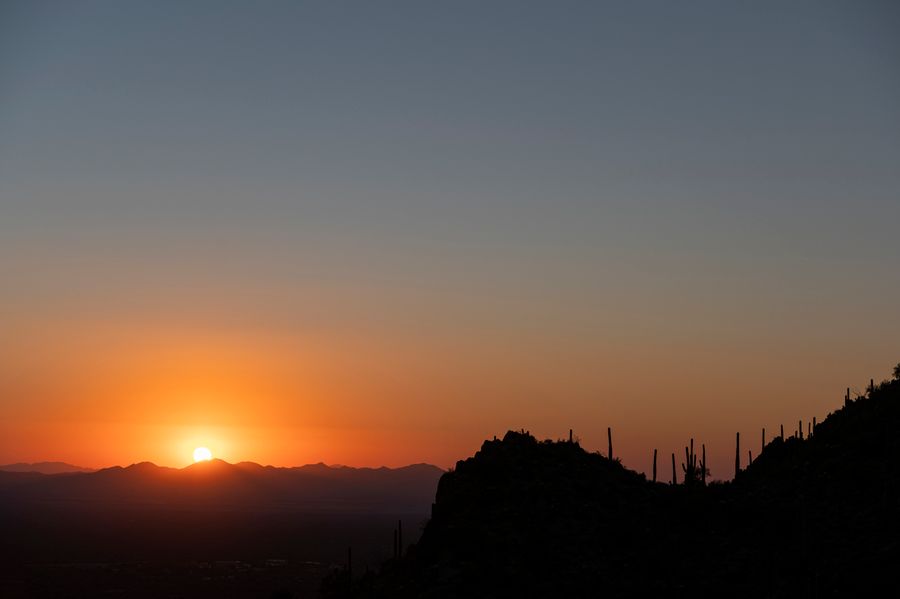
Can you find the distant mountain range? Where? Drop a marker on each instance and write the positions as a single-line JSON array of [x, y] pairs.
[[219, 484], [44, 468], [56, 525]]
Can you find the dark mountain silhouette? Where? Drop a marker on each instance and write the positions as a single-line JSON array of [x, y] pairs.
[[245, 485], [212, 529], [811, 517], [44, 468]]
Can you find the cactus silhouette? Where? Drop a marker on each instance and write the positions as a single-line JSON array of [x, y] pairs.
[[694, 473], [609, 437], [674, 479]]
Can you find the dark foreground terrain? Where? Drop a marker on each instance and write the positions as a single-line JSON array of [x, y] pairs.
[[210, 530], [813, 517]]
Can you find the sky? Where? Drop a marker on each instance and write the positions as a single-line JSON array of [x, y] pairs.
[[380, 233]]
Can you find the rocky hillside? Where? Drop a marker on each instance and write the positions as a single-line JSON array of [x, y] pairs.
[[813, 517]]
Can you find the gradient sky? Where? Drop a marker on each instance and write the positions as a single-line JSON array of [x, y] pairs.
[[378, 233]]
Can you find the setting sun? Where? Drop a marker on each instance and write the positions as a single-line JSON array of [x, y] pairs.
[[202, 454]]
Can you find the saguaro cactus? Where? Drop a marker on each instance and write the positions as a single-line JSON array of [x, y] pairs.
[[737, 454], [703, 466], [609, 438], [800, 429], [693, 473], [570, 435], [674, 479]]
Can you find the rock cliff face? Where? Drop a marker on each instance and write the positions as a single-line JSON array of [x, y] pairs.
[[815, 517]]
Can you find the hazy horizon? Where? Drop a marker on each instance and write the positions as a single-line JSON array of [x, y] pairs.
[[345, 233], [89, 469]]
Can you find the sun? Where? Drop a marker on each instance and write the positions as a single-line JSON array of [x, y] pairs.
[[202, 454]]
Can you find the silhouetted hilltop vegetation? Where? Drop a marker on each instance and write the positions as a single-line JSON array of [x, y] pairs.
[[813, 516]]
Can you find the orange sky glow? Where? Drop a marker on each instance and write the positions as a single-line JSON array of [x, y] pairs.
[[302, 232], [123, 395]]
